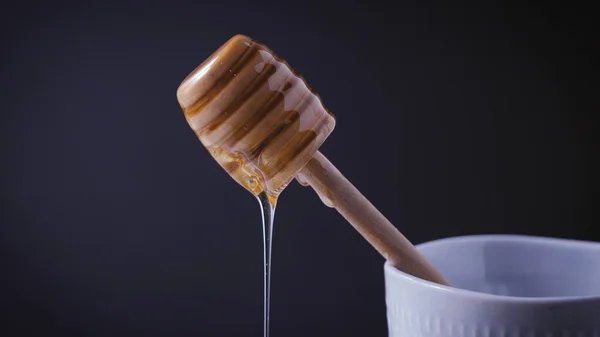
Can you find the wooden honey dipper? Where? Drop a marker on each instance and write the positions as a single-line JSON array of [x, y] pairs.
[[264, 126]]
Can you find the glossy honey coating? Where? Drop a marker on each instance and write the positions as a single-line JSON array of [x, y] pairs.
[[255, 115]]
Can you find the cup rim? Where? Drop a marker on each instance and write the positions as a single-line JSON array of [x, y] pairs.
[[474, 295]]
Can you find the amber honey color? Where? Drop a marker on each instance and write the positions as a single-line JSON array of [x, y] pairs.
[[255, 115]]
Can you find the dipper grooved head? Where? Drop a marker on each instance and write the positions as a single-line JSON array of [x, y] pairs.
[[255, 115]]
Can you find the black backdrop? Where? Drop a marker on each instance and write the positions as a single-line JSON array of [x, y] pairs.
[[116, 222]]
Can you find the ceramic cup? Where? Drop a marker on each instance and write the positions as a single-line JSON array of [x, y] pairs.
[[503, 286]]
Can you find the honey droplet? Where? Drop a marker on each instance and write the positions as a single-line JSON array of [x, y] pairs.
[[326, 200], [302, 179]]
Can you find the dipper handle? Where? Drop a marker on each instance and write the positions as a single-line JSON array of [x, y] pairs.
[[337, 192]]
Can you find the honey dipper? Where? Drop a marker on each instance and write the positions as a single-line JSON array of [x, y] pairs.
[[264, 126]]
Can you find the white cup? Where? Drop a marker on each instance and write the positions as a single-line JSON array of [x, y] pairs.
[[503, 286]]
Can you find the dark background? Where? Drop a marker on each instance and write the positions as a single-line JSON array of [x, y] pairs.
[[115, 221]]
